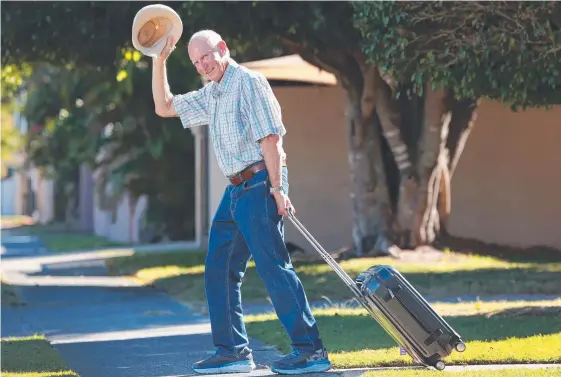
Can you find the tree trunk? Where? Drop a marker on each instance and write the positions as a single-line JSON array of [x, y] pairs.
[[402, 153], [372, 214], [426, 135], [391, 122], [447, 126], [464, 115], [432, 167]]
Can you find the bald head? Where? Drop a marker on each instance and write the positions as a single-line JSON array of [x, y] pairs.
[[209, 36], [209, 54]]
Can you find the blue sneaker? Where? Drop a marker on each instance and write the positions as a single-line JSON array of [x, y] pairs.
[[302, 362], [217, 364]]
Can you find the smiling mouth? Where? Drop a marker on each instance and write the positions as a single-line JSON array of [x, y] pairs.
[[209, 72]]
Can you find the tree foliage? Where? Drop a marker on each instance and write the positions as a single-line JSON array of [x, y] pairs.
[[11, 139], [106, 120], [61, 32], [94, 33], [507, 51]]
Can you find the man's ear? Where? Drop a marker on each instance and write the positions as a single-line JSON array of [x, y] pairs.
[[222, 48]]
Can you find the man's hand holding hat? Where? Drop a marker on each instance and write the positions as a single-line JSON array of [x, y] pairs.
[[168, 48]]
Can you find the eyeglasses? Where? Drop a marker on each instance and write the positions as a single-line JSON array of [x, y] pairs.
[[205, 58]]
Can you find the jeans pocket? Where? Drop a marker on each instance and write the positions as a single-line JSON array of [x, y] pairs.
[[247, 185]]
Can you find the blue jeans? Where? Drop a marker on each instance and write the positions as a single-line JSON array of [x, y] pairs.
[[247, 225]]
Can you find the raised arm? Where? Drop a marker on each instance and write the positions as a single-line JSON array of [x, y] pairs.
[[191, 107], [163, 99]]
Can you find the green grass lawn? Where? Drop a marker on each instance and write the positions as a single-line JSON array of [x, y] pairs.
[[10, 295], [540, 372], [492, 336], [78, 242], [57, 238], [32, 357], [181, 275]]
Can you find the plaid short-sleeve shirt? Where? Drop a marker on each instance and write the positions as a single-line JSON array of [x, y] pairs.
[[240, 110]]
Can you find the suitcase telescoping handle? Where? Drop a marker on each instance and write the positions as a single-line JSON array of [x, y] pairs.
[[325, 255]]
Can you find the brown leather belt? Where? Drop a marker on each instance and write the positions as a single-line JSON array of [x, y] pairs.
[[249, 172]]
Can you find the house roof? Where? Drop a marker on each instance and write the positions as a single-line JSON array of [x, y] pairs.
[[291, 68]]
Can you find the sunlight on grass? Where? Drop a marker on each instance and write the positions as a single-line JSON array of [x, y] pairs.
[[39, 374], [514, 372], [355, 340], [23, 338], [181, 275], [535, 349], [32, 356], [450, 262], [15, 220], [149, 275]]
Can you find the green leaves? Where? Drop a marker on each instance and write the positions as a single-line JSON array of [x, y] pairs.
[[12, 79], [502, 50], [11, 140]]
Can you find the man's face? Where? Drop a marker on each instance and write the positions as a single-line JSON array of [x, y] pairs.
[[208, 61]]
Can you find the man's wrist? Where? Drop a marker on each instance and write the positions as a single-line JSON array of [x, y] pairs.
[[159, 60], [275, 190]]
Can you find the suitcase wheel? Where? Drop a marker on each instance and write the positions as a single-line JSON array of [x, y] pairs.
[[460, 347], [440, 365]]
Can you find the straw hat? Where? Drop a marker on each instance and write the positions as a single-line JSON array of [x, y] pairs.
[[151, 27]]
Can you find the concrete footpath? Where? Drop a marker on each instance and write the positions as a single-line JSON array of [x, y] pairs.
[[110, 326]]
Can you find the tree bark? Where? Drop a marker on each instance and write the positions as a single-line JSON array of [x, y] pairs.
[[391, 122], [426, 135], [446, 129], [464, 115], [433, 166], [372, 214]]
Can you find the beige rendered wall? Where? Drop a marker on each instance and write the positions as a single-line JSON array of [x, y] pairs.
[[506, 189], [318, 168], [316, 147]]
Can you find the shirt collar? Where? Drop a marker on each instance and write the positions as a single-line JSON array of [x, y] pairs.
[[222, 86]]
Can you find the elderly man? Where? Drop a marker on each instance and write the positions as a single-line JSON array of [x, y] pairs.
[[246, 130]]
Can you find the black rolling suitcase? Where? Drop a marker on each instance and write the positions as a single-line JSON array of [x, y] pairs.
[[397, 306]]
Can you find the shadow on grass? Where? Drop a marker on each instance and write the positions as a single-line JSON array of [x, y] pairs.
[[59, 237], [347, 333], [438, 285], [10, 295], [31, 355], [433, 285], [536, 254]]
